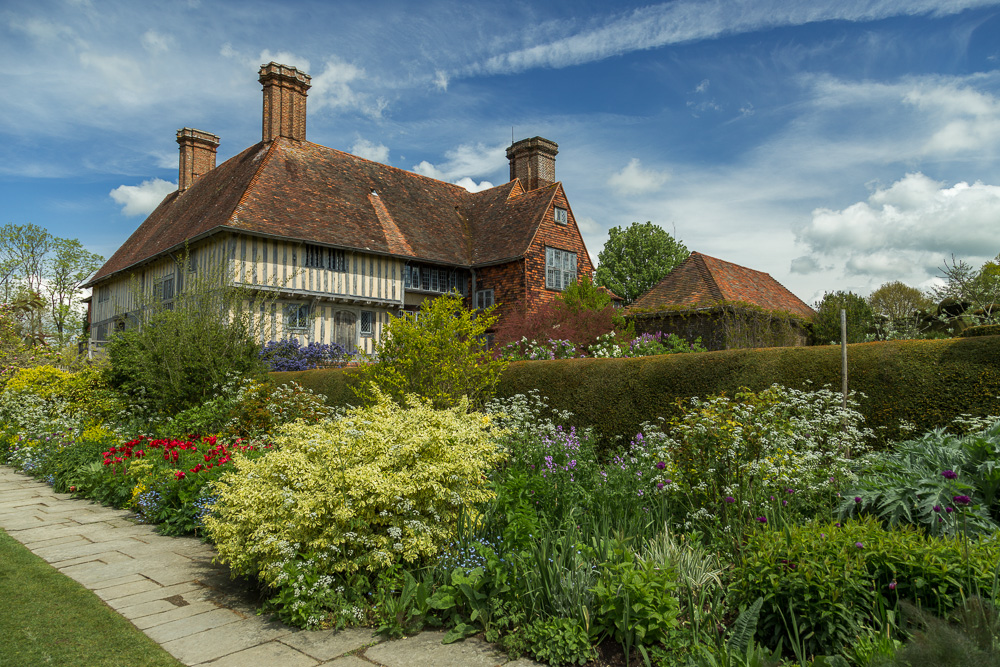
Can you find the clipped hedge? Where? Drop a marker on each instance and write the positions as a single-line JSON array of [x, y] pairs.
[[981, 330], [331, 382], [925, 382]]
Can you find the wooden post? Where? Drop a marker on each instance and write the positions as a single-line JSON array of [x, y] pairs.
[[843, 367]]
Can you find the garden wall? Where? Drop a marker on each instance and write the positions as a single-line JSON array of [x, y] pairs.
[[925, 382], [726, 326]]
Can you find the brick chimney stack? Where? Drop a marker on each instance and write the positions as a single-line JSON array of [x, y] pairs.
[[534, 162], [284, 101], [197, 156]]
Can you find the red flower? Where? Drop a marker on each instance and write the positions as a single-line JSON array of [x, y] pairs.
[[179, 474]]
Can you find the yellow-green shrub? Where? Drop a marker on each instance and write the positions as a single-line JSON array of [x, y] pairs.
[[382, 485], [43, 392]]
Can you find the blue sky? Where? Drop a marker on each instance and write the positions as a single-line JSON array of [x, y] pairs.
[[835, 145]]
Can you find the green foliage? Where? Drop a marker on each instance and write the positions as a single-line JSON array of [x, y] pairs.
[[898, 301], [978, 288], [559, 641], [635, 259], [826, 324], [981, 330], [380, 486], [829, 577], [440, 356], [924, 383], [635, 603], [907, 484], [584, 295], [969, 636]]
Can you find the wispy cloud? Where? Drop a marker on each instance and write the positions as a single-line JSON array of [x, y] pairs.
[[690, 20], [370, 150], [635, 179]]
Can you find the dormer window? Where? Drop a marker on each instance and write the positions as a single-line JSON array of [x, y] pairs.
[[562, 217]]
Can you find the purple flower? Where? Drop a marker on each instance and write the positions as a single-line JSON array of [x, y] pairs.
[[937, 508], [730, 499], [784, 502], [892, 586], [823, 535], [666, 481], [790, 491], [962, 500], [949, 474], [660, 485], [948, 510], [762, 519], [661, 465], [857, 499], [838, 525], [859, 545]]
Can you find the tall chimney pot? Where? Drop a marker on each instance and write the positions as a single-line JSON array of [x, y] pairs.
[[197, 155], [534, 162], [285, 91]]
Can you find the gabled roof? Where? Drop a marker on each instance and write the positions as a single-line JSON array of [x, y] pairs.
[[701, 280], [308, 192]]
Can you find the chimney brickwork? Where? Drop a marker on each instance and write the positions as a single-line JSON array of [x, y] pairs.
[[534, 162], [285, 91], [197, 155]]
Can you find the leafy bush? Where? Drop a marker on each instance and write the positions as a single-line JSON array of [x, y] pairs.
[[291, 355], [917, 482], [730, 462], [45, 393], [559, 641], [249, 407], [380, 486], [830, 577], [439, 355], [826, 324], [981, 330]]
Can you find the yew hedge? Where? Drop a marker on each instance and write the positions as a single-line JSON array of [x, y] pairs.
[[926, 383]]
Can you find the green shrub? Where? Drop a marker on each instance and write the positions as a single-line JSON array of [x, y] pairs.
[[46, 393], [381, 486], [981, 330], [559, 641], [829, 577], [918, 480], [440, 355], [925, 383]]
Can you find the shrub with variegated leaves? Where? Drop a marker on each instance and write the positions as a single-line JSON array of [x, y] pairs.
[[382, 485]]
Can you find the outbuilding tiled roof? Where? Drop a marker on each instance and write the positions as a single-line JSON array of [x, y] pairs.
[[701, 280], [308, 192]]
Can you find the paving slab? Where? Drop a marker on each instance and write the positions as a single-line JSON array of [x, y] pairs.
[[271, 654], [426, 650], [192, 625], [329, 644], [228, 638], [171, 612]]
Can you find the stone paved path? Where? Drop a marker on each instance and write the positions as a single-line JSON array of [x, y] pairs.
[[169, 588]]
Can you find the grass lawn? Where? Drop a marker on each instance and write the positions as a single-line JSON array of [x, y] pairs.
[[46, 618]]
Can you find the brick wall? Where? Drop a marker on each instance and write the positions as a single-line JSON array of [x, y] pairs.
[[562, 237], [507, 283]]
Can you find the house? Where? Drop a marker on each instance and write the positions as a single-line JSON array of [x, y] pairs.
[[725, 304], [345, 243]]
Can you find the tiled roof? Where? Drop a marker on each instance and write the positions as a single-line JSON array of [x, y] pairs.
[[308, 192], [701, 280]]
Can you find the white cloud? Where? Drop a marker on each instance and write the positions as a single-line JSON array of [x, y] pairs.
[[143, 198], [370, 151], [906, 230], [466, 160], [691, 20], [339, 85], [702, 87], [634, 179], [472, 186], [441, 80], [156, 43]]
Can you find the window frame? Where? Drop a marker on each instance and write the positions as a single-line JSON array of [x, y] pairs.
[[484, 295], [370, 331], [557, 263], [300, 312], [560, 215]]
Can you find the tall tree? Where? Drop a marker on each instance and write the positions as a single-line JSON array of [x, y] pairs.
[[67, 265], [636, 258], [826, 324], [898, 301]]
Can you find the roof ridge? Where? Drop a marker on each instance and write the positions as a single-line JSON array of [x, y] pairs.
[[537, 223], [709, 276], [253, 179]]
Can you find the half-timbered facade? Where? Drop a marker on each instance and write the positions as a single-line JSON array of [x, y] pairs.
[[344, 243]]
